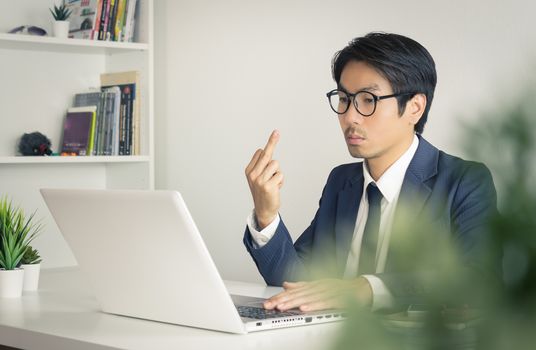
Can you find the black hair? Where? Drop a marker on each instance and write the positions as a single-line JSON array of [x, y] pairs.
[[405, 63]]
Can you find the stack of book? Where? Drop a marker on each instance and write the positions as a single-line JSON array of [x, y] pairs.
[[110, 20], [113, 128]]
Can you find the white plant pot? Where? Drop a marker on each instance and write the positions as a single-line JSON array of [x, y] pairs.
[[31, 276], [61, 29], [11, 282]]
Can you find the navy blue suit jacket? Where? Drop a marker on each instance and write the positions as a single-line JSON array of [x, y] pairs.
[[456, 196]]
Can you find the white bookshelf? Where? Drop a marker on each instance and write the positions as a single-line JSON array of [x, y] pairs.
[[74, 160], [40, 76], [34, 43]]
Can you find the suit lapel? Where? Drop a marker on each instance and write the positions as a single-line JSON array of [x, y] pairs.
[[415, 189], [414, 194], [347, 206]]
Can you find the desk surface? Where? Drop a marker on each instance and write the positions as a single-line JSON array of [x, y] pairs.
[[64, 314]]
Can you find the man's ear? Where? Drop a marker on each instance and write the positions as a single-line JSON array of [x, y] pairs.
[[415, 108]]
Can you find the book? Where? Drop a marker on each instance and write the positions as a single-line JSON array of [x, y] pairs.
[[83, 19], [129, 111], [119, 21], [112, 98], [127, 95], [115, 93], [104, 19], [79, 130], [94, 98], [126, 119], [128, 31], [96, 30], [104, 140], [102, 131], [110, 24]]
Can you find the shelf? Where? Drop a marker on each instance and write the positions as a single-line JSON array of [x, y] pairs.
[[45, 43], [75, 159]]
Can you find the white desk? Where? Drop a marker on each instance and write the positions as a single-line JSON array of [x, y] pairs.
[[63, 314]]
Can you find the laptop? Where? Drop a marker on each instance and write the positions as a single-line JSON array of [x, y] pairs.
[[144, 257]]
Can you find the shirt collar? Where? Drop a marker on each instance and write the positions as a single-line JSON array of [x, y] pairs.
[[390, 182]]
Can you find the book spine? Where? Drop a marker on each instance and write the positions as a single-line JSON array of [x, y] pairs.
[[123, 25], [129, 25], [122, 127], [128, 118], [133, 28], [117, 118], [104, 19], [124, 32], [119, 20], [109, 27], [93, 150], [96, 26], [136, 119], [91, 135], [102, 128], [123, 22], [110, 123], [115, 126], [98, 126], [104, 124]]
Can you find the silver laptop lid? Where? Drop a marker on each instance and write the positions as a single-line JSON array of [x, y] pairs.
[[144, 256]]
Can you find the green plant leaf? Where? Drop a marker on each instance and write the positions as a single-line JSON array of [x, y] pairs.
[[16, 233]]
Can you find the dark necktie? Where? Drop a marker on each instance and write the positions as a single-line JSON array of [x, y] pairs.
[[369, 243]]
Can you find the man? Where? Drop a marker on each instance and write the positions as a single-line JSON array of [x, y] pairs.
[[385, 87]]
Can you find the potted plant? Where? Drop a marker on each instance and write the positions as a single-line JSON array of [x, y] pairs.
[[31, 264], [16, 233], [60, 25]]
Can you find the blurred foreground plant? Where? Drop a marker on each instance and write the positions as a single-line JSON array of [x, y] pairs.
[[507, 143]]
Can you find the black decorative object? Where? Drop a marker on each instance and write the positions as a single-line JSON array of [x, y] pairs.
[[34, 144]]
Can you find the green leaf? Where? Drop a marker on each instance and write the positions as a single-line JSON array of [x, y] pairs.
[[16, 233]]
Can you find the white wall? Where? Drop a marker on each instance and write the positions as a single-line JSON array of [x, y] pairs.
[[228, 72]]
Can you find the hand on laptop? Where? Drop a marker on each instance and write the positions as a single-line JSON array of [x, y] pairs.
[[265, 180], [321, 294]]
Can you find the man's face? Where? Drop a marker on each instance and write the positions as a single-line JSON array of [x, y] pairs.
[[384, 134]]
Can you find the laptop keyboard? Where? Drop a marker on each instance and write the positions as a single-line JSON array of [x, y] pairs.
[[260, 313]]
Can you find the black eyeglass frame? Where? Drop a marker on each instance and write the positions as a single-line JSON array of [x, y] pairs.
[[376, 98]]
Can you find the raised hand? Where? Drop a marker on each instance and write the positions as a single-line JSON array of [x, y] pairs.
[[265, 180]]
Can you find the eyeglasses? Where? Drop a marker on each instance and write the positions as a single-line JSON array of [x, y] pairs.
[[31, 30], [364, 101]]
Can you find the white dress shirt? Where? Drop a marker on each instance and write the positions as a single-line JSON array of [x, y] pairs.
[[389, 184]]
